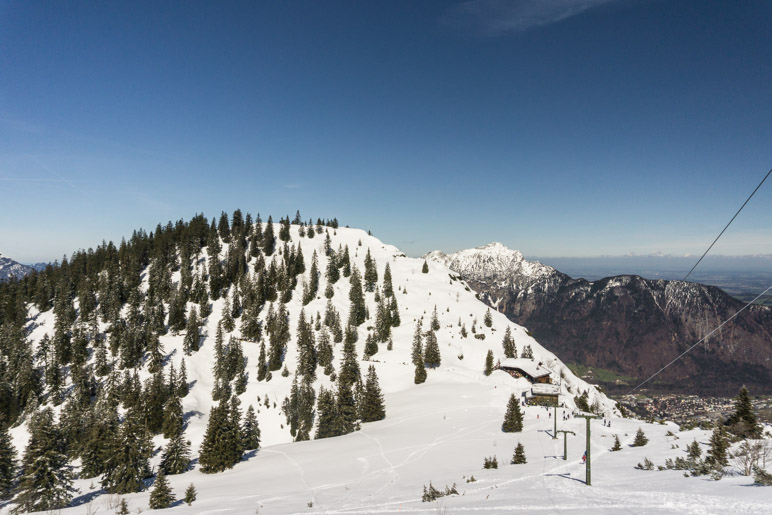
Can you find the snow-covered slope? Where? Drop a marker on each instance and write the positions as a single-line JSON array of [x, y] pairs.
[[439, 431]]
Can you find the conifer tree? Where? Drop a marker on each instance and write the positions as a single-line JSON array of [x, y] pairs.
[[357, 311], [226, 316], [435, 325], [617, 445], [190, 494], [371, 346], [527, 352], [743, 422], [172, 417], [279, 336], [372, 408], [262, 366], [46, 478], [394, 313], [719, 446], [640, 438], [349, 367], [489, 363], [488, 319], [509, 344], [182, 386], [221, 447], [513, 419], [123, 508], [307, 359], [269, 240], [417, 350], [7, 462], [176, 455], [346, 408], [161, 496], [193, 335], [371, 272], [431, 350], [327, 414], [324, 349], [519, 457], [694, 451], [425, 268], [284, 229], [388, 289], [420, 371], [127, 461], [250, 430]]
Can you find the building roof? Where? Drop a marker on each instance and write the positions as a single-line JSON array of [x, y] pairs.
[[529, 366], [545, 389]]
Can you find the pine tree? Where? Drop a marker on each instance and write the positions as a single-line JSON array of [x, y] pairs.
[[7, 462], [182, 387], [425, 268], [327, 414], [488, 319], [123, 508], [513, 419], [346, 408], [417, 351], [221, 448], [371, 272], [193, 333], [372, 408], [46, 479], [617, 446], [172, 417], [489, 363], [307, 358], [432, 356], [262, 366], [509, 344], [250, 430], [388, 289], [694, 451], [519, 457], [743, 422], [435, 325], [226, 316], [640, 439], [420, 371], [190, 494], [527, 352], [357, 311], [161, 496], [175, 458], [127, 460], [719, 446], [269, 240], [349, 367]]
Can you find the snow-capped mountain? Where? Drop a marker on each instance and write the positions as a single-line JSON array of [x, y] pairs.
[[434, 434], [627, 324], [10, 269]]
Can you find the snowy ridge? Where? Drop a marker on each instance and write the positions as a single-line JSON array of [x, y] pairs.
[[491, 262], [10, 269]]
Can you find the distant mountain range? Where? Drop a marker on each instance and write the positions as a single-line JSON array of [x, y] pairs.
[[10, 269], [626, 327]]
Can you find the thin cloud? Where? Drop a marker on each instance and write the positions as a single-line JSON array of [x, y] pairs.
[[497, 17]]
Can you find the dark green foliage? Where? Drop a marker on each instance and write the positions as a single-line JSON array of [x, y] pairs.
[[7, 463], [307, 357], [425, 268], [313, 282], [299, 409], [432, 494], [262, 365], [250, 430], [417, 350], [327, 414], [372, 407], [719, 447], [127, 458], [527, 352], [279, 335], [513, 418], [346, 408], [388, 289], [519, 457], [46, 478], [581, 402], [371, 272], [161, 496], [269, 240], [190, 494], [221, 448], [694, 451], [490, 462], [432, 357], [371, 346], [284, 229], [488, 319], [489, 363], [761, 476], [349, 368], [510, 351], [193, 333], [324, 350], [176, 455], [357, 311], [743, 422], [435, 325], [182, 386], [123, 508], [640, 439], [617, 446]]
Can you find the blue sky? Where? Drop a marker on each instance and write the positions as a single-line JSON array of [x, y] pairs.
[[558, 127]]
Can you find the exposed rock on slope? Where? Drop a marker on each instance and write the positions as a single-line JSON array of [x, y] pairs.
[[627, 324]]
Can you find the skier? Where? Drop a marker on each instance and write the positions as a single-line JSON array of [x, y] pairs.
[[584, 457]]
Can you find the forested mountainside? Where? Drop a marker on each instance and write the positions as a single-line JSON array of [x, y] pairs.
[[196, 344], [627, 324]]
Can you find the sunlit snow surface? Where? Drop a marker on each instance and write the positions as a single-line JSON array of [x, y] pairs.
[[439, 431]]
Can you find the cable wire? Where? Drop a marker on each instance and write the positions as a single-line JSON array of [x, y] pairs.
[[727, 225], [703, 338]]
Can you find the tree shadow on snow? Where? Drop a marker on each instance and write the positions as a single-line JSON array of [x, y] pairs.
[[86, 498]]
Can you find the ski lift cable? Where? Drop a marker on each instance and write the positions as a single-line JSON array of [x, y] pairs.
[[703, 338], [727, 225]]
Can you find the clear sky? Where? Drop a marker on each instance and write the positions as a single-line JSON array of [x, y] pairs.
[[558, 127]]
